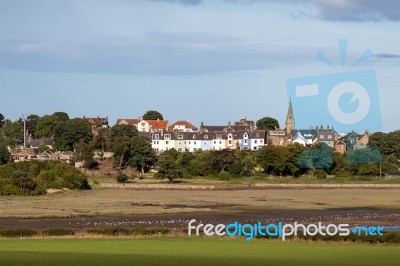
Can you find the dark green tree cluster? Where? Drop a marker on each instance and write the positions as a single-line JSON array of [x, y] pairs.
[[152, 115], [131, 149], [33, 178], [223, 163], [267, 123]]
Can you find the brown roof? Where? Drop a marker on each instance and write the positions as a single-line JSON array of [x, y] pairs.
[[96, 120], [129, 121], [158, 124], [185, 123]]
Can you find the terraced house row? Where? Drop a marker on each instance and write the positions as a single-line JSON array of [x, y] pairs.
[[216, 140]]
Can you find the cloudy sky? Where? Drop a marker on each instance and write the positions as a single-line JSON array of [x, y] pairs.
[[199, 60]]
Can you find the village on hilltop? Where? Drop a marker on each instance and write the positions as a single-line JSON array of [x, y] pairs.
[[184, 136]]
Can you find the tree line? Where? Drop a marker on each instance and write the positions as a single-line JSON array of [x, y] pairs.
[[130, 149]]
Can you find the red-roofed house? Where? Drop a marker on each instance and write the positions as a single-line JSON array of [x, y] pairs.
[[182, 126], [152, 125]]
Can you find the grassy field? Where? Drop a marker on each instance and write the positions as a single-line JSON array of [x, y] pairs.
[[184, 251], [130, 202]]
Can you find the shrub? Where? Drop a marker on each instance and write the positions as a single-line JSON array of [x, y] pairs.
[[34, 177], [224, 176], [320, 174], [122, 178], [18, 232], [58, 232]]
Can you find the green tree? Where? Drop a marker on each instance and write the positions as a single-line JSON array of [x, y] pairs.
[[120, 146], [45, 126], [141, 154], [168, 168], [67, 133], [200, 164], [84, 153], [4, 154], [100, 140], [319, 156], [62, 116], [184, 160], [267, 123], [152, 115], [117, 131], [13, 133], [272, 159], [31, 122], [1, 120], [222, 160], [23, 181], [120, 141]]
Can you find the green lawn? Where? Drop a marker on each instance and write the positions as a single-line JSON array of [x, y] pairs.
[[193, 251]]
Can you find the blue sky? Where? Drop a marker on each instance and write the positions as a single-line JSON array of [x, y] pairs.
[[212, 61]]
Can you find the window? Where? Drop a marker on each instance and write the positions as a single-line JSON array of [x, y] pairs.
[[154, 142], [230, 142], [205, 143], [321, 136], [255, 141], [179, 143], [189, 142], [194, 142], [158, 142], [156, 136], [205, 136], [194, 136], [166, 142], [215, 142], [167, 136], [220, 142], [329, 136], [230, 136], [180, 136], [179, 149], [261, 141]]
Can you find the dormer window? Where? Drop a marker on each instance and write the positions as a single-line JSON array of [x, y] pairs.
[[205, 136], [180, 136], [156, 136], [194, 136]]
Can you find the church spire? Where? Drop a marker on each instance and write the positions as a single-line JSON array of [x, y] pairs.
[[290, 124]]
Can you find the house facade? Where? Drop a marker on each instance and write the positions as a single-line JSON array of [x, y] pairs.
[[206, 141]]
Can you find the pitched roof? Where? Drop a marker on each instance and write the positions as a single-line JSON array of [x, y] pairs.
[[40, 142], [158, 124], [185, 123], [128, 121], [96, 121]]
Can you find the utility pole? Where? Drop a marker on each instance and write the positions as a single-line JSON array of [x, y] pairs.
[[23, 117]]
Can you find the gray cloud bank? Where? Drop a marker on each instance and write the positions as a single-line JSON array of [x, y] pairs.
[[333, 10]]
